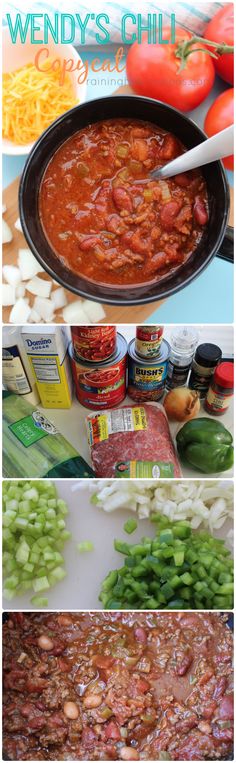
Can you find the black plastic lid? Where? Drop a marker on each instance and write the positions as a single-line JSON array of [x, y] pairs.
[[208, 355]]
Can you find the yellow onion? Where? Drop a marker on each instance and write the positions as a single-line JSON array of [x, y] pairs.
[[182, 404]]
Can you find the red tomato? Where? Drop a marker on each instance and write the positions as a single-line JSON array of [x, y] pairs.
[[219, 116], [221, 29], [155, 71]]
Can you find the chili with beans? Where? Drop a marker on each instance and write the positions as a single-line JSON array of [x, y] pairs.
[[117, 686], [106, 218]]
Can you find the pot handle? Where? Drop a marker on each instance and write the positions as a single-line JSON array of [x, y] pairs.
[[226, 250]]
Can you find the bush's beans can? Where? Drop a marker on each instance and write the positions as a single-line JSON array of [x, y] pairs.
[[146, 378], [94, 343], [101, 385], [148, 341]]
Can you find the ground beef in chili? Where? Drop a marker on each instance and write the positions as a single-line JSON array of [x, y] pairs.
[[106, 218], [117, 686]]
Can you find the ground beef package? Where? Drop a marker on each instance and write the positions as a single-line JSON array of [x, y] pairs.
[[132, 441]]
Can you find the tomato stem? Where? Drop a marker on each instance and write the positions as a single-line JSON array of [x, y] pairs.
[[184, 49]]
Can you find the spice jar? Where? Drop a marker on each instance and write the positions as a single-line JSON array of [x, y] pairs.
[[183, 344], [221, 390], [207, 357]]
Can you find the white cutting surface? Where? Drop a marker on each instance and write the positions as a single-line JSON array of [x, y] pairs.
[[86, 571]]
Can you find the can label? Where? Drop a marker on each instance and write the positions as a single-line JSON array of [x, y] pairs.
[[146, 382], [100, 387], [148, 341], [94, 343], [217, 402], [144, 469]]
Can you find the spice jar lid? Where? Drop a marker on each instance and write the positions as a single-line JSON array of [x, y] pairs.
[[224, 375], [208, 354]]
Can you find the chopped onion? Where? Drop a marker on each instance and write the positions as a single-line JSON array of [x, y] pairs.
[[20, 290], [6, 233], [34, 316], [29, 266], [39, 287], [59, 298], [44, 307], [20, 312], [196, 501], [165, 193], [17, 225], [8, 295], [11, 274], [74, 313], [93, 310]]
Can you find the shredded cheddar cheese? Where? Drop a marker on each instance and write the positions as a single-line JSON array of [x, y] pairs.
[[32, 99]]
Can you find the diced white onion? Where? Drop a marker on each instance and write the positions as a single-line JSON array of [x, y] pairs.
[[74, 313], [94, 311], [20, 290], [11, 275], [20, 312], [29, 266], [39, 287], [44, 307], [59, 298], [8, 295]]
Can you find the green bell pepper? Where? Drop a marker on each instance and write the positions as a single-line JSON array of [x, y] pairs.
[[206, 444]]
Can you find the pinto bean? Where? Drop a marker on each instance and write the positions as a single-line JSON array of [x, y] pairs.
[[92, 700], [44, 642], [129, 753], [71, 710]]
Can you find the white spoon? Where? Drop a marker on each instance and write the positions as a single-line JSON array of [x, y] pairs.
[[220, 145]]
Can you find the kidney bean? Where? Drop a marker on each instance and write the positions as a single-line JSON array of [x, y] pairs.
[[36, 722], [200, 211], [168, 214], [220, 687], [88, 737], [183, 179], [184, 665], [122, 199], [140, 634], [102, 661], [36, 685], [208, 709], [222, 735], [226, 708], [205, 677], [112, 731], [186, 725], [71, 710], [26, 709], [89, 243]]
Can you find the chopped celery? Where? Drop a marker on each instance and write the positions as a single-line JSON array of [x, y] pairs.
[[85, 545], [33, 537]]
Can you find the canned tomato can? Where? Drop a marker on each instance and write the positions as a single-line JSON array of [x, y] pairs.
[[148, 341], [94, 343], [146, 378], [101, 385]]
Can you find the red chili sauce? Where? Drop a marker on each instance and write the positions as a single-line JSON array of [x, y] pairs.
[[117, 686], [106, 218]]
